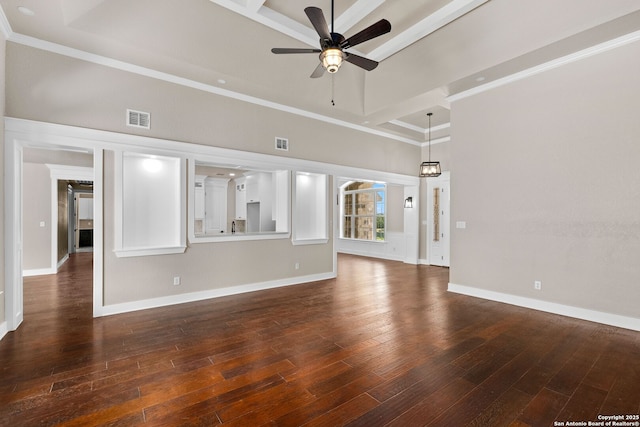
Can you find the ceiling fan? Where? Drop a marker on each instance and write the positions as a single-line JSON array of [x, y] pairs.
[[333, 45]]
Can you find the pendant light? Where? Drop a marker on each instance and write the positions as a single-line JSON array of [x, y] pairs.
[[430, 169]]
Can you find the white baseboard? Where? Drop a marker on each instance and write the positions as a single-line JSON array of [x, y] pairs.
[[371, 254], [3, 330], [611, 319], [204, 295], [38, 272], [61, 262]]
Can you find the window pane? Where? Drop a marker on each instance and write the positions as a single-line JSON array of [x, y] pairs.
[[364, 228], [380, 227], [363, 209], [364, 203], [346, 229], [348, 204]]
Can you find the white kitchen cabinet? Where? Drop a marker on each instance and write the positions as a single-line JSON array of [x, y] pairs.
[[198, 208], [258, 199]]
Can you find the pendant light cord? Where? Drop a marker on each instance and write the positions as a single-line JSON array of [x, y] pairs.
[[332, 19], [429, 115]]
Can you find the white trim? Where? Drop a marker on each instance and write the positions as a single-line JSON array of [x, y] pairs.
[[213, 293], [5, 27], [38, 272], [148, 72], [98, 232], [550, 307], [133, 252], [420, 129], [3, 330], [550, 65], [321, 236], [76, 137], [238, 237], [13, 233], [119, 185], [300, 242], [398, 246], [440, 18], [367, 254], [62, 261]]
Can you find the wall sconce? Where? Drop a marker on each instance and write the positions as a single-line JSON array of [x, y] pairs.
[[408, 202]]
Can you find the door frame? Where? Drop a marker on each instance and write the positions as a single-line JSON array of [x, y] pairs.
[[432, 183], [13, 236], [16, 139]]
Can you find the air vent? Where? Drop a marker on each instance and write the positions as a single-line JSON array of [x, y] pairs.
[[138, 119], [282, 144]]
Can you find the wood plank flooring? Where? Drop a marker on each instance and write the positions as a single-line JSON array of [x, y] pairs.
[[383, 344]]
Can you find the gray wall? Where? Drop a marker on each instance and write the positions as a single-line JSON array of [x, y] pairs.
[[36, 207], [204, 266], [545, 173], [51, 88], [46, 87]]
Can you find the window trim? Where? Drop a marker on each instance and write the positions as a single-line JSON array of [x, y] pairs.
[[375, 215]]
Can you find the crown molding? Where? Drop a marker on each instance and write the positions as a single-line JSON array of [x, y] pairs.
[[550, 65], [193, 84], [5, 27]]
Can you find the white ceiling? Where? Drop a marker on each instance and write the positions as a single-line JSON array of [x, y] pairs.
[[436, 48]]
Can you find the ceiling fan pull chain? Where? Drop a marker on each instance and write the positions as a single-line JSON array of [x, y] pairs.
[[332, 89]]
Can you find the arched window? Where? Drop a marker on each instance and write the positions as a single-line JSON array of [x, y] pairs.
[[363, 206]]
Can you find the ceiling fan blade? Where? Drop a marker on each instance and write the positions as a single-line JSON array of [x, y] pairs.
[[318, 72], [316, 17], [361, 61], [379, 28], [281, 50]]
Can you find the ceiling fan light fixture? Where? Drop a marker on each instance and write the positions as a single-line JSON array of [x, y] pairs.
[[331, 59]]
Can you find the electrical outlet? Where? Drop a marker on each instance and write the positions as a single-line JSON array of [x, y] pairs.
[[297, 265], [176, 280], [537, 285]]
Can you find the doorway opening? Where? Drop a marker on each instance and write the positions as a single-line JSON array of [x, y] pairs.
[[438, 224], [80, 224], [57, 165]]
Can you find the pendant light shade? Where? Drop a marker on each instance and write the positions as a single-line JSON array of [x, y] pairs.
[[430, 169]]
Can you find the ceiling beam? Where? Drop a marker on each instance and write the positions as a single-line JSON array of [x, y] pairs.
[[430, 24], [274, 20], [255, 5], [356, 13]]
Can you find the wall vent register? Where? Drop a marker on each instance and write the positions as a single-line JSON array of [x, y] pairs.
[[138, 119], [282, 144]]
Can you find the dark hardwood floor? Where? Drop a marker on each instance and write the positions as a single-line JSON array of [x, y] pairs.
[[384, 344]]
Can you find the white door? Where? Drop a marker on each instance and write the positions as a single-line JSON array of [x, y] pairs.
[[438, 203]]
